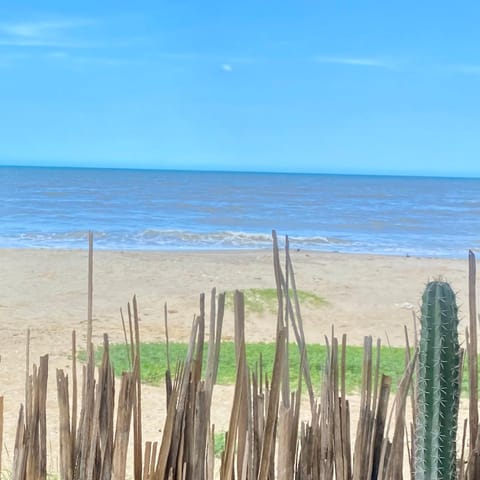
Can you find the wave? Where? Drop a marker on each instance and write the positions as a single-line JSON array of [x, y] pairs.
[[172, 239], [165, 239], [228, 239]]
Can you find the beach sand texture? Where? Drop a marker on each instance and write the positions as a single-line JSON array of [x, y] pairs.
[[46, 291]]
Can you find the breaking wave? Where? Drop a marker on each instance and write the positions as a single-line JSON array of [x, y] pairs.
[[151, 239]]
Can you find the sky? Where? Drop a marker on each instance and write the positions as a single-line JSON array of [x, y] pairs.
[[294, 86]]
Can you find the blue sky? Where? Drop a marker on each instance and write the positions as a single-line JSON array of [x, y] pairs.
[[306, 86]]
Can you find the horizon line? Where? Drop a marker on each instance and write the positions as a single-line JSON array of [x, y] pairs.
[[260, 172]]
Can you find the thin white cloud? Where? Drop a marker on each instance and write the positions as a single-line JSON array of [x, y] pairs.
[[44, 33], [54, 43], [64, 35], [355, 61], [41, 29]]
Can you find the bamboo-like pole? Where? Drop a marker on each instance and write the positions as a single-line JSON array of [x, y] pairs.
[[20, 450], [65, 436], [90, 293], [472, 350], [122, 428], [364, 430], [393, 465], [282, 290], [28, 396], [242, 426], [227, 468], [137, 407], [297, 324], [268, 447], [73, 427], [379, 427]]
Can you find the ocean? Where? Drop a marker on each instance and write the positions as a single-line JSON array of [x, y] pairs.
[[179, 210]]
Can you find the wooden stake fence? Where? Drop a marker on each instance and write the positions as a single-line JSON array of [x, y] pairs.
[[266, 437]]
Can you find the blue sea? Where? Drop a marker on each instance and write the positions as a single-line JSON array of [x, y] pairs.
[[173, 210]]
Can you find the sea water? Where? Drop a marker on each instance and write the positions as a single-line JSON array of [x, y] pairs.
[[180, 210]]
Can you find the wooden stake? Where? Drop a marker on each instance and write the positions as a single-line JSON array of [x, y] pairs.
[[90, 293], [472, 349]]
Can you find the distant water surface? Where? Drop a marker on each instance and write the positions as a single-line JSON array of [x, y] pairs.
[[150, 210]]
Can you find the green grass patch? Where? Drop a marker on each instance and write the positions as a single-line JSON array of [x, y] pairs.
[[259, 300], [154, 361], [219, 443]]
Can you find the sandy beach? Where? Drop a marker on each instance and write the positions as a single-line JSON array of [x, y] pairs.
[[46, 291]]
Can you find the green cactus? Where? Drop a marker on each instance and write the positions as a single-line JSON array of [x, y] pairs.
[[438, 386]]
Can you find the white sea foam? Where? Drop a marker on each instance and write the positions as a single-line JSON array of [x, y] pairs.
[[167, 239]]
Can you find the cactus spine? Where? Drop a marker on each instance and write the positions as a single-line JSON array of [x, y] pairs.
[[438, 386]]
